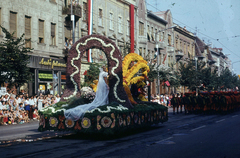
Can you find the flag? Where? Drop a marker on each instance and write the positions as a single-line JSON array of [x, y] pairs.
[[167, 83], [90, 22], [164, 59]]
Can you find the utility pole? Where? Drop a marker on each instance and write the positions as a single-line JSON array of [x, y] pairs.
[[73, 21]]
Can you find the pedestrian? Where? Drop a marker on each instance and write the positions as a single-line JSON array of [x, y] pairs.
[[174, 103]]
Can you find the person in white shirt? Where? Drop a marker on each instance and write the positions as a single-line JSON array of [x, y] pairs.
[[6, 97], [58, 98]]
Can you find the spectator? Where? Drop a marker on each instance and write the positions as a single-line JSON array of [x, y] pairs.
[[40, 103], [5, 98], [1, 117], [58, 98], [21, 106]]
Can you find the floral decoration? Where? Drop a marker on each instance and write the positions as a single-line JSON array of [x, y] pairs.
[[77, 126], [88, 93], [53, 121], [61, 119], [106, 122], [42, 121], [69, 123], [128, 120], [135, 118], [98, 125], [114, 120], [120, 120], [86, 122], [142, 118]]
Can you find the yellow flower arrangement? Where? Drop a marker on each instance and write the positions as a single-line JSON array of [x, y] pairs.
[[94, 85], [135, 69], [128, 59], [142, 97]]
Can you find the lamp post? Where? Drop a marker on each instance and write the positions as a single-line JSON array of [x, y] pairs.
[[73, 21], [196, 59], [234, 63], [158, 55]]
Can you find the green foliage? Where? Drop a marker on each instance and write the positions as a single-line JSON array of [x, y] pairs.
[[14, 59], [92, 73]]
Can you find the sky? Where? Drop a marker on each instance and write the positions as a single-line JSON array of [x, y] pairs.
[[215, 21]]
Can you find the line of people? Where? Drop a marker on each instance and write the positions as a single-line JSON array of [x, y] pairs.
[[206, 102], [22, 108]]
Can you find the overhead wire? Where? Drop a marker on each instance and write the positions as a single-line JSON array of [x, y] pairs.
[[216, 39]]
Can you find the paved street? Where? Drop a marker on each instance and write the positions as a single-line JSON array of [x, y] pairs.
[[182, 136]]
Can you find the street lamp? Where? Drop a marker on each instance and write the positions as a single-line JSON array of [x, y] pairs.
[[158, 54], [235, 62], [73, 21], [196, 59]]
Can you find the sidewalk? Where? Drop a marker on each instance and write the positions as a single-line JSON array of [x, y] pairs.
[[27, 132]]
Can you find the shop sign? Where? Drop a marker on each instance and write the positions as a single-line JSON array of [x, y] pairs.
[[45, 76], [52, 63]]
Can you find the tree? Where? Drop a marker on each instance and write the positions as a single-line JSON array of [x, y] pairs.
[[14, 59]]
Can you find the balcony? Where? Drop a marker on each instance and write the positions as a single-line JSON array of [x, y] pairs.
[[179, 54], [170, 49], [76, 9]]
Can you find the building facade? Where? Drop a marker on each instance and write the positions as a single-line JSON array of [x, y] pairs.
[[42, 22]]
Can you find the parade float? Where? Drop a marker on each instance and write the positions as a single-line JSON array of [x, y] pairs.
[[123, 113]]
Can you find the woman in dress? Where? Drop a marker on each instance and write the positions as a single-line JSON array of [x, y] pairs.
[[40, 103], [100, 99]]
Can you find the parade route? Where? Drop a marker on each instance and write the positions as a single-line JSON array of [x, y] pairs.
[[182, 136]]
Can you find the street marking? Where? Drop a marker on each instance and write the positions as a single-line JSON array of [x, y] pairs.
[[198, 128], [234, 115], [160, 141], [220, 120], [163, 140]]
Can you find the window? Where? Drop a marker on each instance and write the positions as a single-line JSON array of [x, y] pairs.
[[111, 21], [27, 31], [120, 24], [169, 40], [141, 29], [53, 34], [152, 34], [128, 28], [156, 35], [67, 32], [41, 31], [13, 23], [140, 51], [148, 33], [84, 11], [100, 17]]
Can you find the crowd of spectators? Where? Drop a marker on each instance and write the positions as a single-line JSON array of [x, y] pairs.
[[18, 109]]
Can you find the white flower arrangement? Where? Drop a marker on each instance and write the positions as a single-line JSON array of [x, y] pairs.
[[113, 69]]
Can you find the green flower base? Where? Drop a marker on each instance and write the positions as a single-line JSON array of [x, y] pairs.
[[109, 119]]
